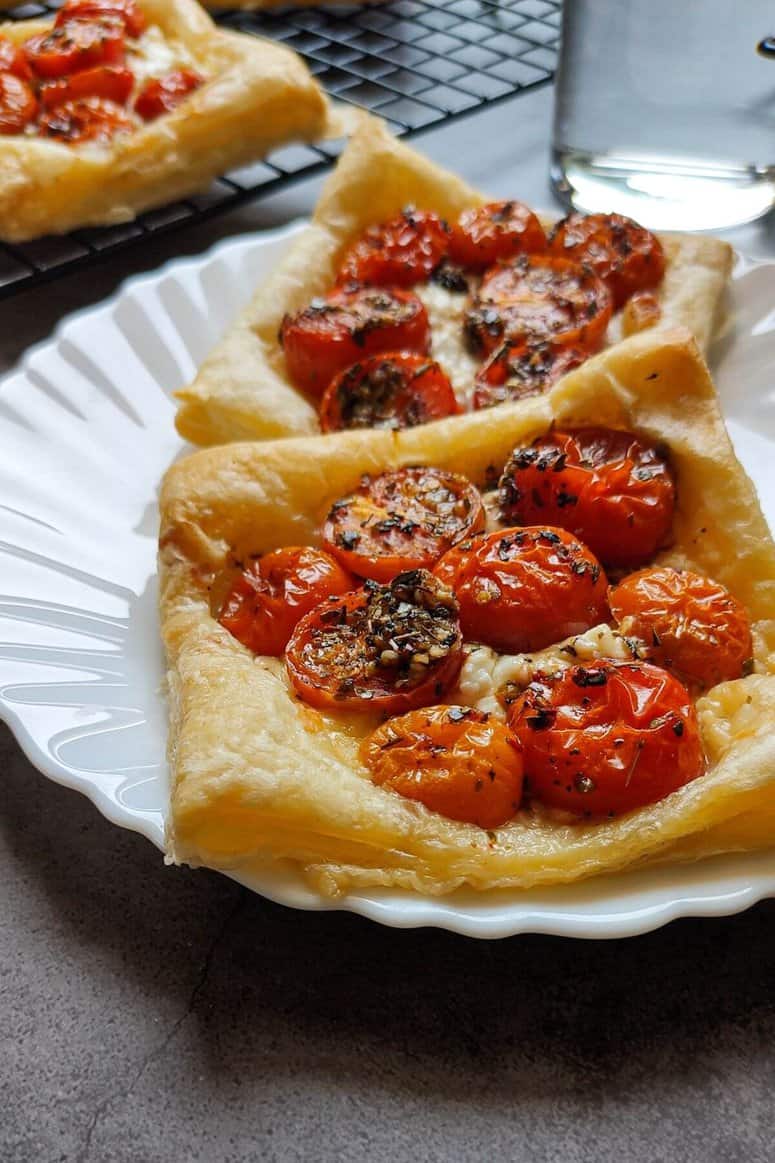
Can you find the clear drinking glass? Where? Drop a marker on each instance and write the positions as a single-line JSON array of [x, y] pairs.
[[665, 110]]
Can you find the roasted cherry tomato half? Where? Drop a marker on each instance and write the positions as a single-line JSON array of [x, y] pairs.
[[402, 520], [613, 490], [261, 603], [515, 371], [606, 738], [394, 390], [457, 761], [18, 105], [398, 253], [382, 649], [13, 60], [107, 81], [523, 589], [536, 298], [163, 94], [625, 255], [128, 11], [75, 45], [89, 120], [347, 325], [690, 624], [499, 230]]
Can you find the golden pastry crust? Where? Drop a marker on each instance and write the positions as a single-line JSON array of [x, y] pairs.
[[242, 391], [258, 776], [258, 95]]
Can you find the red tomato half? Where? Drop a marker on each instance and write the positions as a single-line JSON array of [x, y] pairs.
[[516, 371], [690, 624], [398, 253], [611, 489], [455, 760], [606, 738], [382, 649], [17, 104], [13, 60], [113, 84], [128, 11], [89, 120], [499, 230], [163, 94], [394, 390], [261, 604], [625, 255], [539, 298], [523, 589], [402, 520], [347, 325], [75, 45]]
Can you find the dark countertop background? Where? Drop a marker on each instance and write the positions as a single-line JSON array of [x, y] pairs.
[[162, 1014]]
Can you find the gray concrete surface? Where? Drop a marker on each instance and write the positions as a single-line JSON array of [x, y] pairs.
[[161, 1014]]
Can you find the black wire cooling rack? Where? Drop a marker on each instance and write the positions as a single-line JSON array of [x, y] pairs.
[[416, 63]]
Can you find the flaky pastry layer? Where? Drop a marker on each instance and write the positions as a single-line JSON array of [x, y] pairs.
[[258, 95], [257, 776], [242, 390]]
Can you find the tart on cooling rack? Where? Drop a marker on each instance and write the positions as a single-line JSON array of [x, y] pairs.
[[523, 646], [115, 106]]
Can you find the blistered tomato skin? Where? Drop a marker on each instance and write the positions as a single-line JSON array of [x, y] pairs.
[[614, 490], [18, 105], [105, 81], [454, 760], [89, 120], [498, 230], [75, 45], [404, 519], [398, 253], [128, 11], [161, 95], [349, 324], [13, 60], [626, 256], [539, 298], [382, 649], [690, 624], [516, 371], [607, 738], [524, 589], [261, 603], [395, 390]]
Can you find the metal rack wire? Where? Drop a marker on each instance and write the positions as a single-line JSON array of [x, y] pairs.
[[417, 63]]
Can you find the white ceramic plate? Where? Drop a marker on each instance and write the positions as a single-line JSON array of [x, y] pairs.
[[86, 431]]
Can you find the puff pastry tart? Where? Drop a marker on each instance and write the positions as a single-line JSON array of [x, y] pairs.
[[516, 647], [504, 303], [119, 105]]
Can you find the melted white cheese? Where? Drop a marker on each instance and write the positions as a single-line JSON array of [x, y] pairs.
[[485, 673], [446, 311], [152, 55]]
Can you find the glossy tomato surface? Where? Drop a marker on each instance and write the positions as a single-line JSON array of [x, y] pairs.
[[75, 45], [398, 253], [88, 120], [163, 94], [261, 603], [394, 390], [381, 649], [127, 11], [537, 298], [457, 761], [603, 739], [13, 60], [613, 490], [347, 325], [499, 230], [106, 81], [690, 624], [516, 371], [523, 589], [18, 105], [405, 519], [626, 256]]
